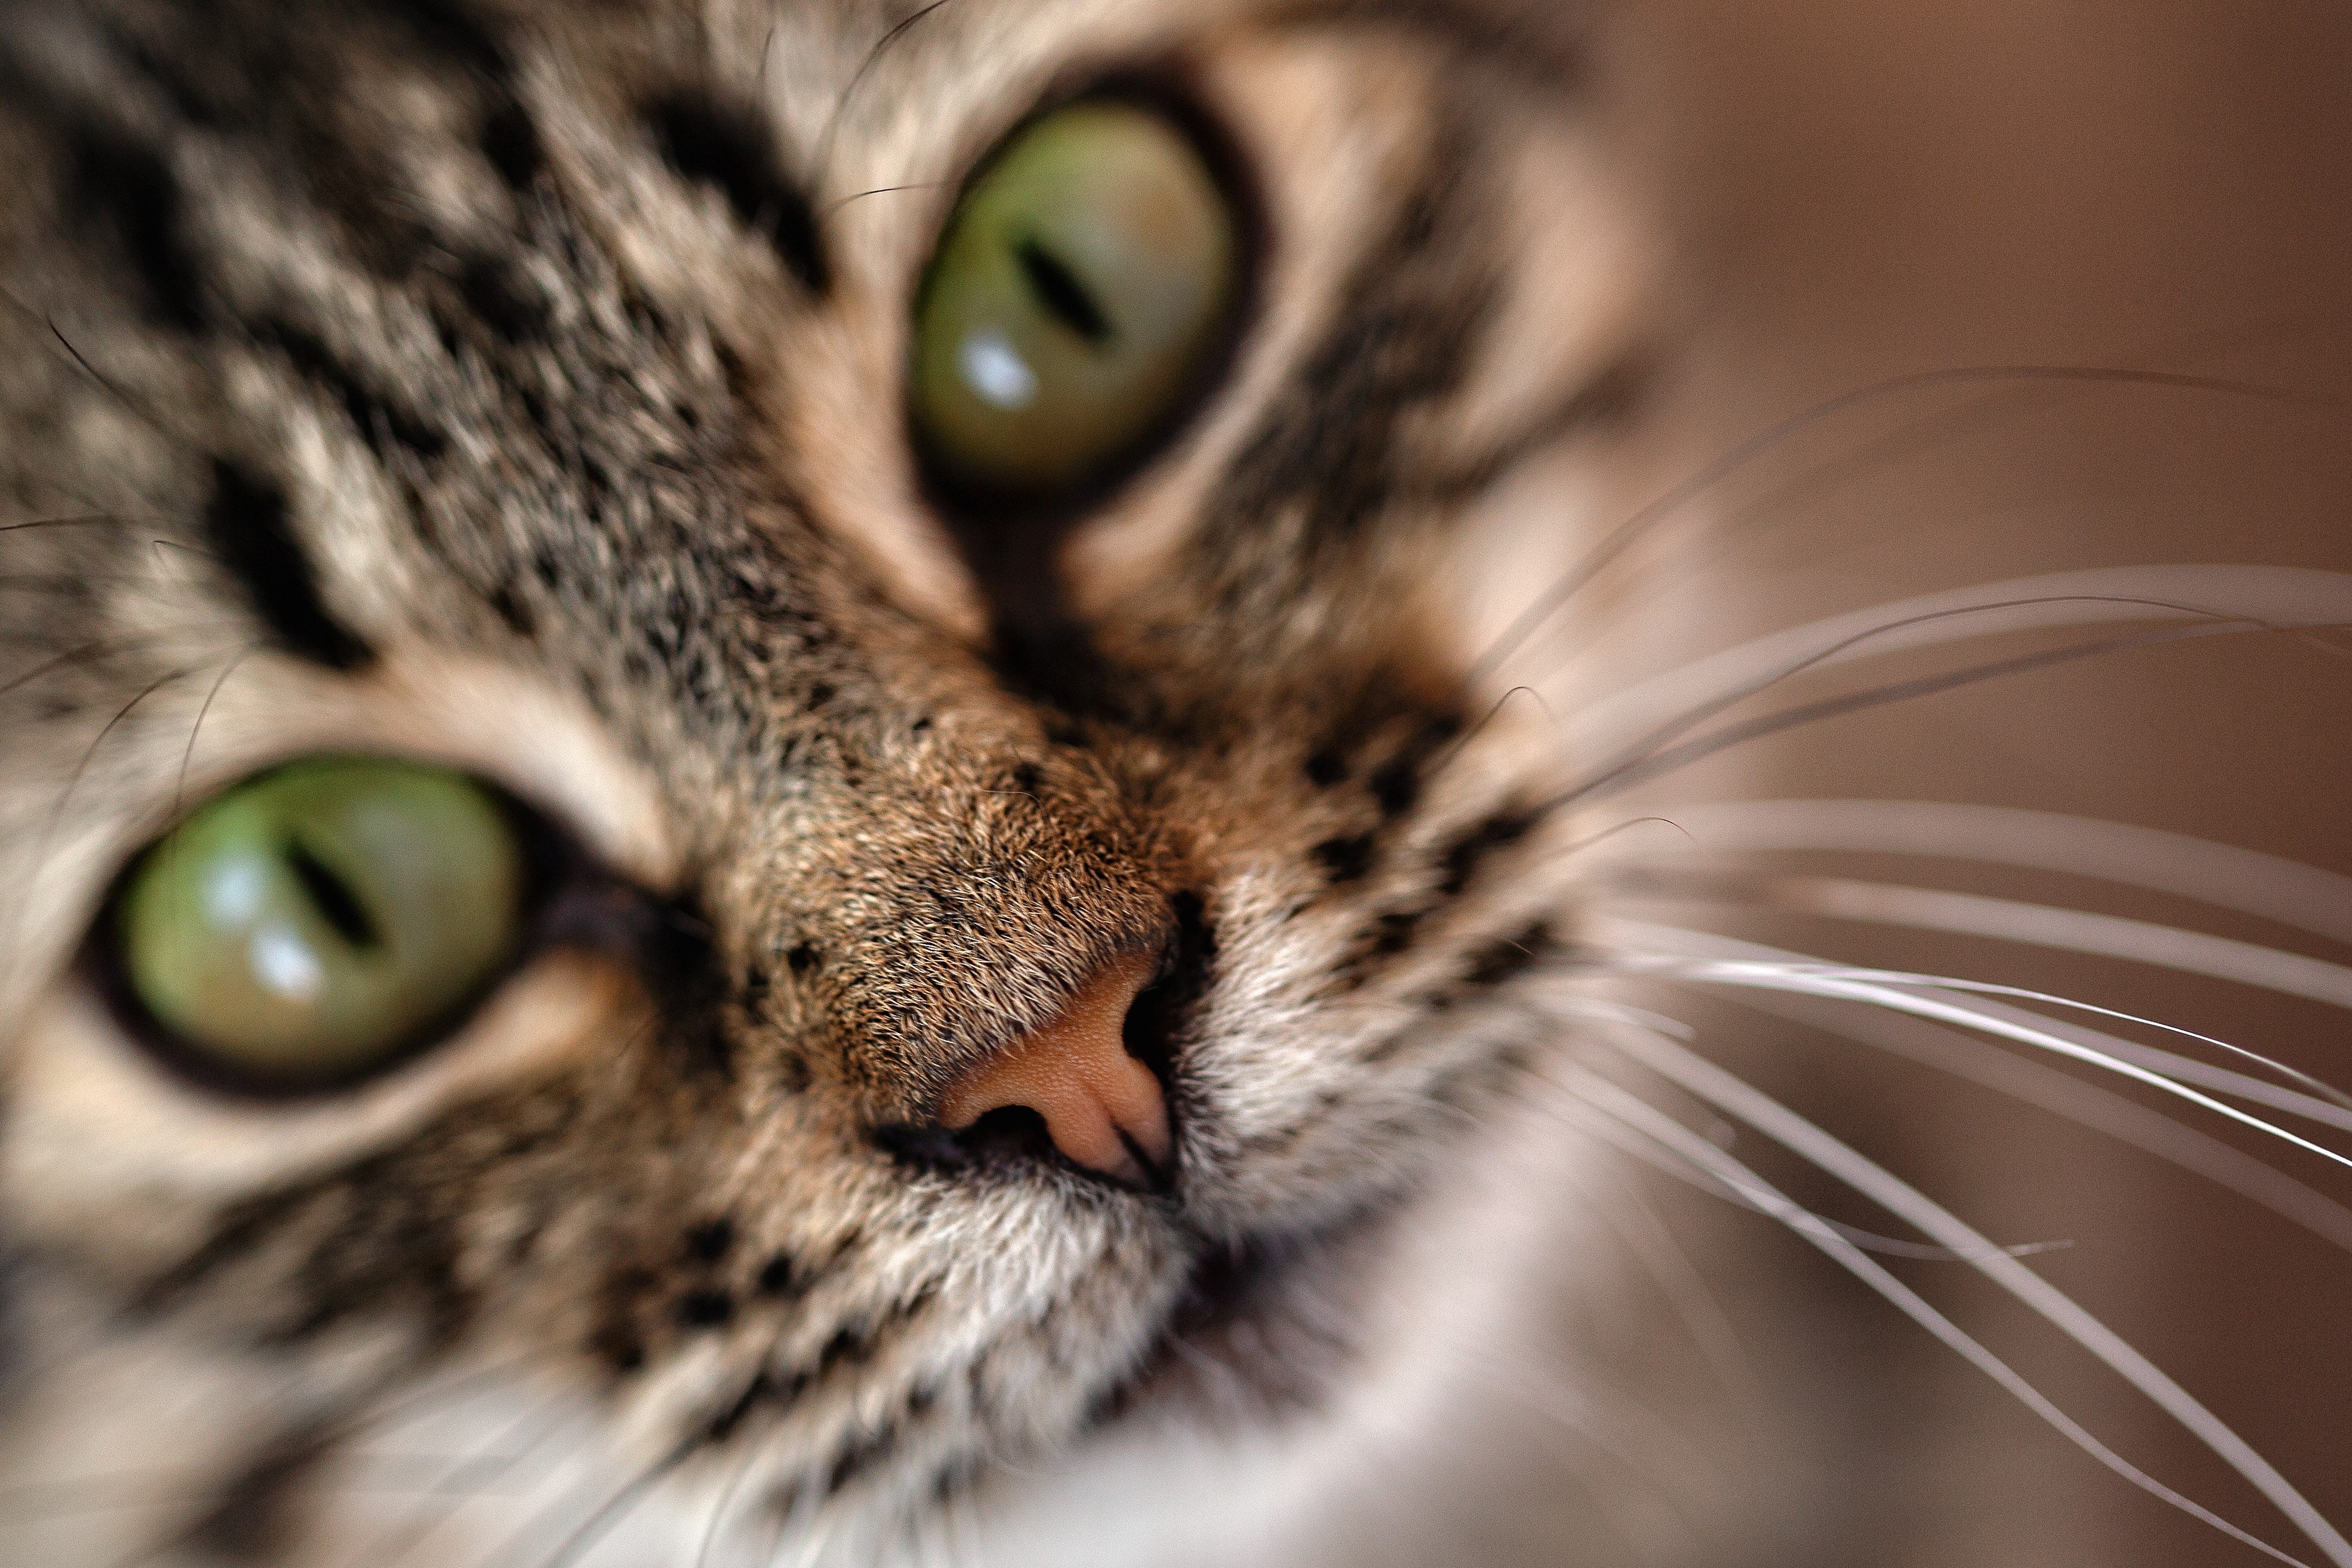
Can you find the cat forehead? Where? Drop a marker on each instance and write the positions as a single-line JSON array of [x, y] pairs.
[[608, 351], [1344, 125]]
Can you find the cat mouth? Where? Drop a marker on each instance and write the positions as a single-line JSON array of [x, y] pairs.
[[1261, 1325]]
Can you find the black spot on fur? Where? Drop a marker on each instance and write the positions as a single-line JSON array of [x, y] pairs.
[[848, 1346], [617, 1348], [1498, 832], [802, 958], [249, 526], [779, 1275], [132, 189], [503, 299], [510, 609], [1396, 785], [1394, 931], [951, 1480], [706, 1309], [1347, 859], [732, 150], [1504, 960], [1326, 768], [712, 1239], [377, 419], [722, 1426], [860, 1458], [759, 984], [458, 32], [512, 144]]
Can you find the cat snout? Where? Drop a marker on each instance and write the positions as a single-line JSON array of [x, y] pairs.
[[1102, 1109]]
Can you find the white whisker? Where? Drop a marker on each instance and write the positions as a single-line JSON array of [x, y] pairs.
[[1734, 1098], [2045, 925], [2281, 596], [2069, 930], [1789, 972], [1854, 1235], [2247, 881], [1652, 1243], [2086, 1104]]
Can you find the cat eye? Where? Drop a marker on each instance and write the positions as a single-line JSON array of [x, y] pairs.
[[310, 926], [1085, 284]]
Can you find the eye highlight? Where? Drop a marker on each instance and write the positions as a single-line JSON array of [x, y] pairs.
[[305, 927], [1087, 280]]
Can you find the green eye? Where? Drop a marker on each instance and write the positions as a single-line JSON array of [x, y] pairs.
[[306, 926], [1086, 279]]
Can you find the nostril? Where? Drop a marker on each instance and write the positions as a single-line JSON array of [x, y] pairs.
[[1100, 1107], [1008, 1132], [1149, 1030]]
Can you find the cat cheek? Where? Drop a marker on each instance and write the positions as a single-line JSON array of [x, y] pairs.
[[106, 1155]]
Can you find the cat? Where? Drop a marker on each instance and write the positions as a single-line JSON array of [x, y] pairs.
[[780, 790]]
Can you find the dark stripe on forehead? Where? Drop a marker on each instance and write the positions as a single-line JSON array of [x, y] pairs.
[[732, 148], [1401, 339], [248, 523]]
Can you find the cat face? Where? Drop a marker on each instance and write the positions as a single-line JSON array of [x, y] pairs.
[[554, 419]]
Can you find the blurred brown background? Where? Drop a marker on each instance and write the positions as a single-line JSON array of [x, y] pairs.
[[1856, 192]]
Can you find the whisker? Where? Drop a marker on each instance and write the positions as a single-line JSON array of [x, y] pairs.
[[1686, 1289], [1995, 408], [2042, 925], [471, 1478], [2305, 898], [1732, 461], [75, 521], [2086, 1104], [80, 361], [188, 752], [1639, 769], [72, 657], [617, 1508], [823, 157], [1593, 840], [1446, 758], [1865, 1239], [1878, 988], [1681, 1146], [726, 1498], [67, 584], [2285, 597], [55, 815], [885, 191]]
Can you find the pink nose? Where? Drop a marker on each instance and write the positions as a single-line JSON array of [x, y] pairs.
[[1102, 1108]]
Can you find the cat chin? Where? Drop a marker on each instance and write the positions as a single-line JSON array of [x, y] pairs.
[[1262, 1328], [1271, 1326]]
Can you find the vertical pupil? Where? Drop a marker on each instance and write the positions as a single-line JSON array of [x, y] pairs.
[[1059, 290], [333, 897]]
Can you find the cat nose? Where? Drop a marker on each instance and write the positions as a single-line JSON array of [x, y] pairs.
[[1102, 1108]]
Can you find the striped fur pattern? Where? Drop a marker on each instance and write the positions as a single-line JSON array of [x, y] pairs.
[[517, 386]]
